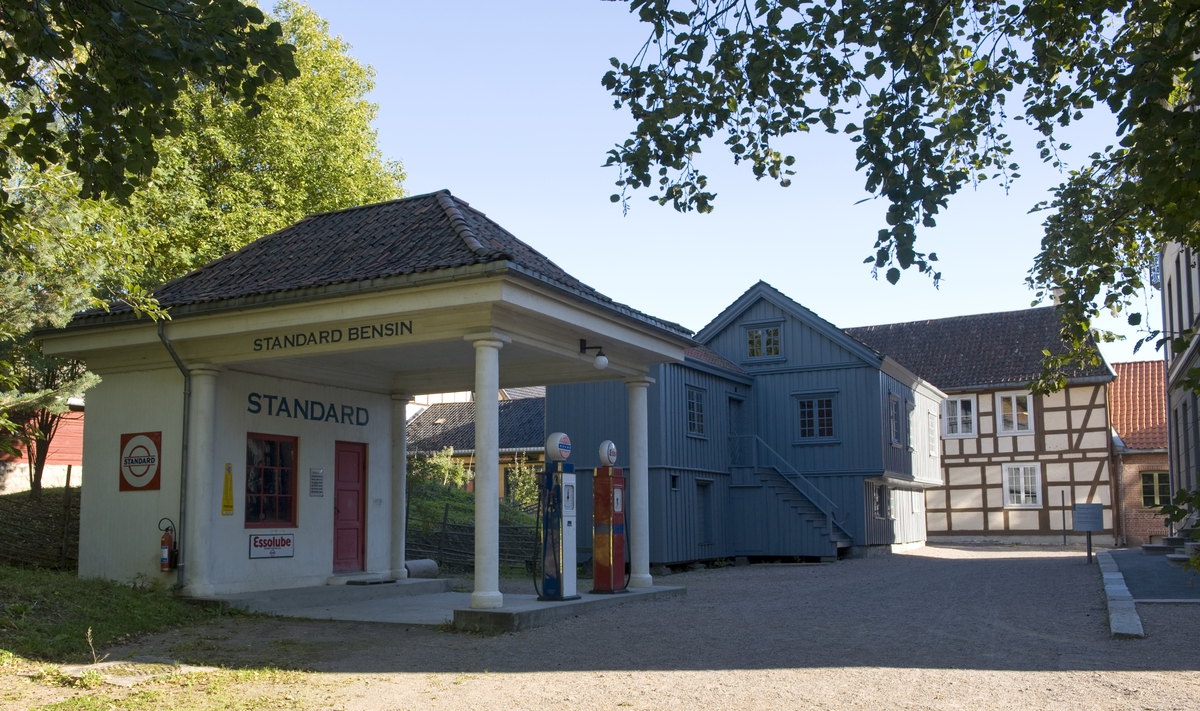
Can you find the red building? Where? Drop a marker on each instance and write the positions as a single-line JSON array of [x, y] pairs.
[[1139, 420], [66, 448]]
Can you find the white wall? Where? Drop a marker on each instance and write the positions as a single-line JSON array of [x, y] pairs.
[[118, 530], [119, 536]]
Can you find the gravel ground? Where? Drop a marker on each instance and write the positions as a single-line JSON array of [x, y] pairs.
[[945, 628]]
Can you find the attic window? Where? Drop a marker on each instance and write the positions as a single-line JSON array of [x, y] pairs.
[[440, 421], [762, 342]]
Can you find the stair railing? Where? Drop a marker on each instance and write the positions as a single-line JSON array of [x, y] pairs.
[[738, 446]]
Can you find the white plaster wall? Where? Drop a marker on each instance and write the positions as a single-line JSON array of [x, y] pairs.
[[118, 530], [232, 569], [14, 476], [119, 535]]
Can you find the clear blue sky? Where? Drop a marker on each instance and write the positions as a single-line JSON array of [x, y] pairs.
[[501, 103]]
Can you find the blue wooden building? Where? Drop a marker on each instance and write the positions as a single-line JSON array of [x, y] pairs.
[[779, 435]]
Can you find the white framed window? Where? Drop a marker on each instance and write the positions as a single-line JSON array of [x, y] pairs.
[[695, 411], [959, 417], [1014, 413], [1023, 486], [933, 434], [763, 342]]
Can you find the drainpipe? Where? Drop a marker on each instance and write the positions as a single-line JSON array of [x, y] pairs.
[[183, 467]]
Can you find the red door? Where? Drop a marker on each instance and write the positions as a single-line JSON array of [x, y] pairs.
[[349, 506]]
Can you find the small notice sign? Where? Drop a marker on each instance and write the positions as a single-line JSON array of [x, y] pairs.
[[1087, 517], [275, 545], [227, 492], [316, 482]]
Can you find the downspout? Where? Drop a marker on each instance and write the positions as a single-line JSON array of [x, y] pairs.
[[183, 464]]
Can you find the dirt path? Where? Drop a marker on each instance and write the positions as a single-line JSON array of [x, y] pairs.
[[946, 628]]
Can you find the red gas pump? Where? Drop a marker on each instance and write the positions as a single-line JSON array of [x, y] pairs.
[[608, 523]]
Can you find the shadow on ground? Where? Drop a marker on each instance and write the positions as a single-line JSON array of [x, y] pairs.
[[940, 608]]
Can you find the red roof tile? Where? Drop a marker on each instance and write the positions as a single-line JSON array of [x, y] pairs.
[[1138, 405]]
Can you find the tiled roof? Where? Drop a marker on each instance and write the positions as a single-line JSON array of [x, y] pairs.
[[1138, 406], [452, 424], [708, 355], [977, 351], [423, 233]]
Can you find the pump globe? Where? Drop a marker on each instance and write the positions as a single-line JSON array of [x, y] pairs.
[[601, 361]]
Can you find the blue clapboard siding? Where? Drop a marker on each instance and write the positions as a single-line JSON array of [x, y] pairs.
[[896, 457], [743, 509]]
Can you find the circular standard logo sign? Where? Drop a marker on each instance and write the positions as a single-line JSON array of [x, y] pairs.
[[558, 446], [608, 453], [140, 461]]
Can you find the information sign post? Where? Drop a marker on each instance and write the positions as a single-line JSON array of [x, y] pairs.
[[1088, 517]]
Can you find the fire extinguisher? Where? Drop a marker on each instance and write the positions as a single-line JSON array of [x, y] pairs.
[[168, 553]]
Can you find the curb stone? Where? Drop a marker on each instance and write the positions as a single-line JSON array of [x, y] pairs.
[[1123, 620]]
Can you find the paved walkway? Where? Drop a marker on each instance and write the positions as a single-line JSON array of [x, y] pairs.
[[1150, 577]]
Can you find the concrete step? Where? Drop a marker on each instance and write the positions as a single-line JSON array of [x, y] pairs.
[[1179, 560], [1173, 541], [1158, 549]]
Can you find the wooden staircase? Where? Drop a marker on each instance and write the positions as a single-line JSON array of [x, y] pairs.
[[786, 491]]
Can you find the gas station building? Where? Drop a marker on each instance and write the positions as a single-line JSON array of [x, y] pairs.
[[265, 421]]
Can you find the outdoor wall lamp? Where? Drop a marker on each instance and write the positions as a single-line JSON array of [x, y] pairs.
[[601, 361]]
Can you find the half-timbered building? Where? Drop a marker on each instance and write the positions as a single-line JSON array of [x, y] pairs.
[[1014, 462]]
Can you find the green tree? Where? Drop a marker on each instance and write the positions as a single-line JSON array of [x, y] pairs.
[[234, 174], [93, 85], [926, 90]]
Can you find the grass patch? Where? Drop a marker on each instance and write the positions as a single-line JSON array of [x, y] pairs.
[[45, 615]]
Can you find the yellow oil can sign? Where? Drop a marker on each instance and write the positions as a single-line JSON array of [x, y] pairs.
[[227, 492]]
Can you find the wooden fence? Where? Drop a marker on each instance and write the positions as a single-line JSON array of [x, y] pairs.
[[42, 532], [452, 545]]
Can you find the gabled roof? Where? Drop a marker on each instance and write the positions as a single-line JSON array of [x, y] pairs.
[[1138, 406], [452, 424], [980, 351], [412, 235], [763, 290]]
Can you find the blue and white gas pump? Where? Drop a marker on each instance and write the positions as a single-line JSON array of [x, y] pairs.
[[556, 501]]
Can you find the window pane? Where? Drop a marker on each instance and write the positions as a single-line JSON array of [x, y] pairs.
[[287, 454], [807, 419], [968, 420], [268, 481], [1006, 414], [285, 481], [753, 343], [253, 508], [1022, 413], [1030, 476], [771, 347], [270, 453], [1164, 488], [268, 509], [825, 417], [254, 453], [253, 480], [1013, 485], [952, 417], [285, 509]]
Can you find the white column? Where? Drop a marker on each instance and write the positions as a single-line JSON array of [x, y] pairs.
[[639, 483], [487, 474], [202, 483], [399, 482]]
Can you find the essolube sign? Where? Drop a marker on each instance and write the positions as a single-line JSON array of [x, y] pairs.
[[275, 545]]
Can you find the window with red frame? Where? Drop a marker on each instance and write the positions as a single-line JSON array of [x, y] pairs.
[[270, 480]]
